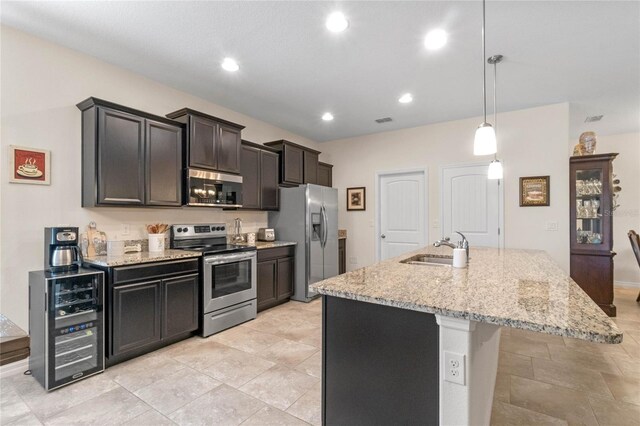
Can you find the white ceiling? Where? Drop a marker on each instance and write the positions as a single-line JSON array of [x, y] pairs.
[[293, 69]]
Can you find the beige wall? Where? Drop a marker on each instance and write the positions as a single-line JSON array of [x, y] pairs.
[[532, 142], [41, 84], [627, 168]]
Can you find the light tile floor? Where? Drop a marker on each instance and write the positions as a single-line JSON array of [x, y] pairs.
[[267, 372]]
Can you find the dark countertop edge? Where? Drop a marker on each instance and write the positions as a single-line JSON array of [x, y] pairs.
[[503, 322]]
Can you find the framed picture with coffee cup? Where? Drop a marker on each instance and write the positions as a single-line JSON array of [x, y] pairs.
[[356, 198], [534, 191], [29, 165]]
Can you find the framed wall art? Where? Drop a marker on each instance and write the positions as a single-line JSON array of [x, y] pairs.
[[29, 165], [356, 198], [534, 191]]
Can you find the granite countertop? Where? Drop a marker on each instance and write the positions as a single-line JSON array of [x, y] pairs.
[[140, 257], [522, 289], [269, 244]]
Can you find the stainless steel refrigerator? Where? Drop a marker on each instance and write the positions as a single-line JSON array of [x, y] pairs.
[[309, 216]]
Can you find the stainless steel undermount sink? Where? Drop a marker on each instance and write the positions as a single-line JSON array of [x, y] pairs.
[[429, 260]]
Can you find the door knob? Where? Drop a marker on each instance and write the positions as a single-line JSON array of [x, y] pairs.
[[383, 236]]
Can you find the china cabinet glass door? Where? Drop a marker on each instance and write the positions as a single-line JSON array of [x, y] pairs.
[[589, 206]]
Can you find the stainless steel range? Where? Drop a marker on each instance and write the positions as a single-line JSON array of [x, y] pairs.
[[228, 275]]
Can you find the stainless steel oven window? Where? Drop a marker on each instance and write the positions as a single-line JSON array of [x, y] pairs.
[[229, 279]]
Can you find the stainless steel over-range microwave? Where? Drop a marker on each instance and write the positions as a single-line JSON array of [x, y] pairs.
[[213, 189]]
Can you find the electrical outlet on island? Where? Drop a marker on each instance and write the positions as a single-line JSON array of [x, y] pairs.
[[454, 368]]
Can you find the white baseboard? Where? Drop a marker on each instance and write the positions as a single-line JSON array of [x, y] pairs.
[[17, 367], [627, 284]]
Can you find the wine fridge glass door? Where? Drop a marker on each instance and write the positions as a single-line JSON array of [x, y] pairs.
[[75, 332]]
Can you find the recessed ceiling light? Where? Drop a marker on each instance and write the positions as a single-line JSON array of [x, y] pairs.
[[406, 98], [336, 22], [435, 39], [327, 116], [229, 64]]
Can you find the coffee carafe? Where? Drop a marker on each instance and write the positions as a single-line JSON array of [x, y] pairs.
[[61, 250]]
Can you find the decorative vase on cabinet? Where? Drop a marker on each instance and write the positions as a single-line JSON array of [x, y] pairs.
[[591, 225]]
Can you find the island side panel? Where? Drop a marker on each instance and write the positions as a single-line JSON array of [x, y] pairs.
[[380, 364]]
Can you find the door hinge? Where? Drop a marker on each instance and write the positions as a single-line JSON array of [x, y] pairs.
[[498, 231]]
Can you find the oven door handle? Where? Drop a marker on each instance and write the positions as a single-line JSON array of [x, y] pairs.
[[213, 260]]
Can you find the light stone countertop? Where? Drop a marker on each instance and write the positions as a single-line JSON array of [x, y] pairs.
[[259, 245], [522, 289], [140, 257]]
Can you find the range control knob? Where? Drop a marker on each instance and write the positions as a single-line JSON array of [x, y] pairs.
[[222, 228]]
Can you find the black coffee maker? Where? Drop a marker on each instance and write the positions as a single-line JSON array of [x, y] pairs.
[[61, 250]]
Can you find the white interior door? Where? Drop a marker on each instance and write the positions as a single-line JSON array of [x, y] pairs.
[[401, 213], [471, 205]]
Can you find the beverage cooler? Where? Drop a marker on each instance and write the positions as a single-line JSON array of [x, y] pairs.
[[66, 326]]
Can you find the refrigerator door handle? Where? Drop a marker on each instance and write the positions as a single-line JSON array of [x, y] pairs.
[[325, 226]]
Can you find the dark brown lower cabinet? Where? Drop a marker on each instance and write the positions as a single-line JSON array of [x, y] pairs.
[[285, 277], [594, 274], [342, 255], [267, 284], [150, 306], [180, 305], [136, 316], [276, 275]]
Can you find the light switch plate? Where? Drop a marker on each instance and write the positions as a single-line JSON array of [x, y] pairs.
[[454, 368], [552, 226]]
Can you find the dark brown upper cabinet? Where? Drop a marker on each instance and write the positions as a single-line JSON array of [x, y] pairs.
[[310, 167], [129, 157], [269, 181], [298, 164], [212, 143], [325, 174], [164, 164], [259, 170]]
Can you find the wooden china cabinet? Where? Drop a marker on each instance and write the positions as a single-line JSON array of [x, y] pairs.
[[591, 224]]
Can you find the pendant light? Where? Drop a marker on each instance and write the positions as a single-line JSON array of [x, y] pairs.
[[485, 141], [495, 167]]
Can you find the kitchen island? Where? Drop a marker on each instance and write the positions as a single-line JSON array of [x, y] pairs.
[[418, 344]]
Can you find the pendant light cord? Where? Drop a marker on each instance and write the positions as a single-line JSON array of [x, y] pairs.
[[495, 104], [484, 66]]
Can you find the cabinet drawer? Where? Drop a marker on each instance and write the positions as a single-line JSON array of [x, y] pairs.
[[276, 253], [127, 274]]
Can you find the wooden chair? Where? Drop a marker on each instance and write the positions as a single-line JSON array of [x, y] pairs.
[[635, 245]]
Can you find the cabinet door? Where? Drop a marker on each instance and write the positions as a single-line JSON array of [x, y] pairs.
[[135, 316], [179, 305], [285, 277], [310, 167], [164, 164], [202, 143], [250, 171], [292, 165], [267, 283], [120, 158], [228, 149], [270, 190], [325, 175]]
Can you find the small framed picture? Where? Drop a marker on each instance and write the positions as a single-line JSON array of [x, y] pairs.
[[29, 165], [534, 191], [356, 198]]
